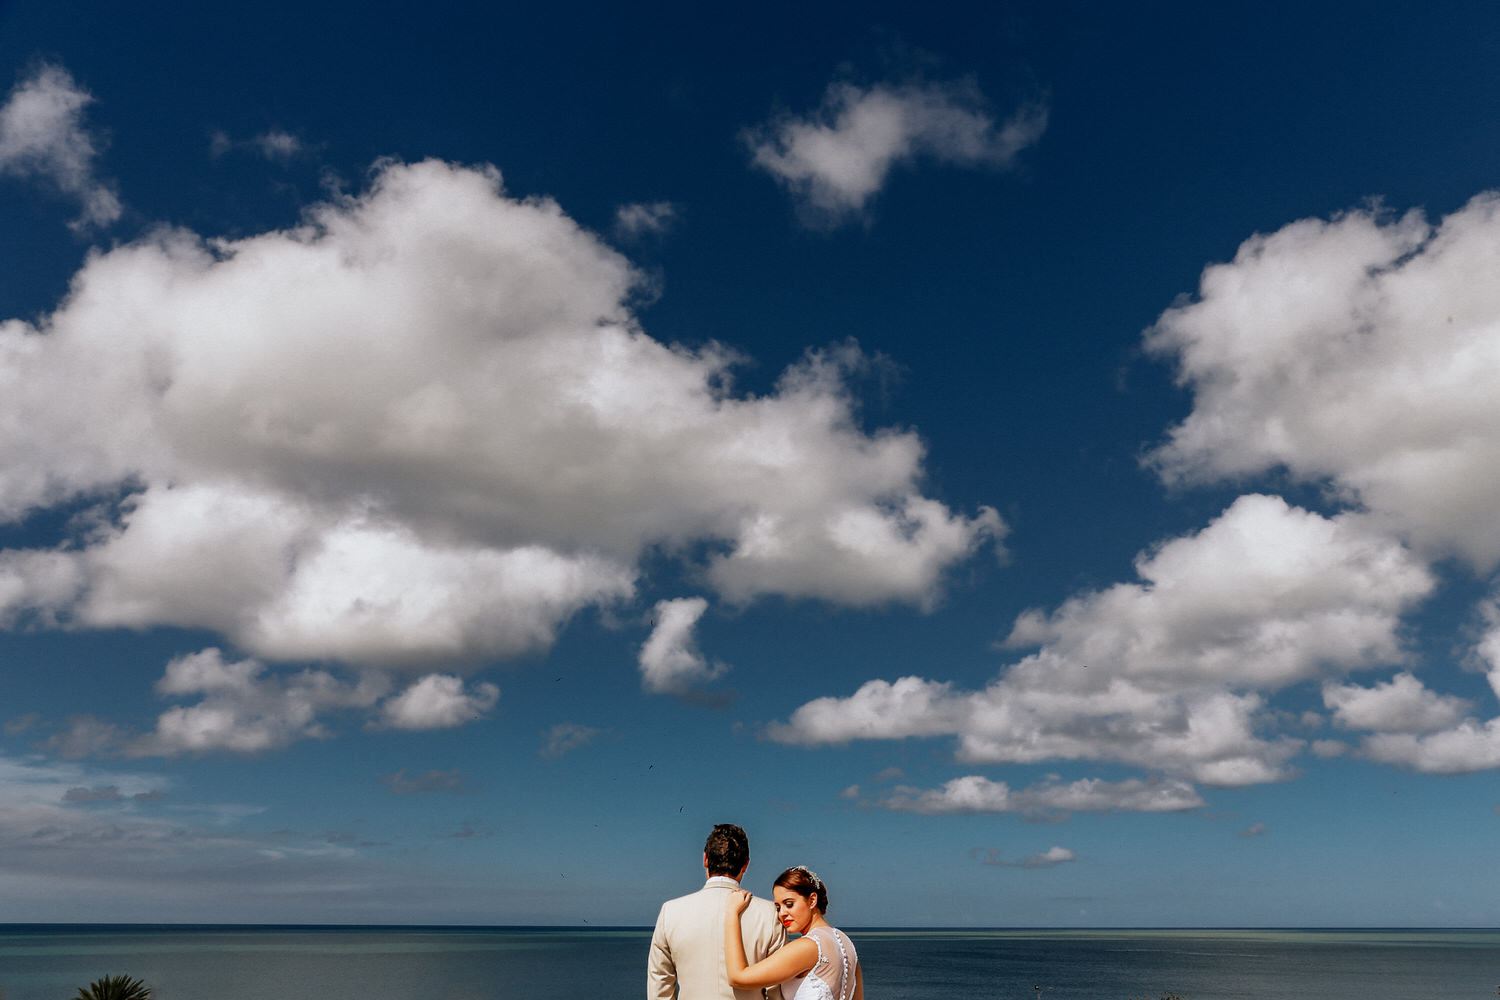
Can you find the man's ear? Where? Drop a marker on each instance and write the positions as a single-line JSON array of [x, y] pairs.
[[741, 876]]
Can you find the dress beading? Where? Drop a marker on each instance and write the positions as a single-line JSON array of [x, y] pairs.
[[815, 985]]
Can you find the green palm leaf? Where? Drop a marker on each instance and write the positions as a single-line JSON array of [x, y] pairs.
[[115, 988]]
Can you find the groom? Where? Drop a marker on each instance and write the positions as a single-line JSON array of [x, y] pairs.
[[687, 947]]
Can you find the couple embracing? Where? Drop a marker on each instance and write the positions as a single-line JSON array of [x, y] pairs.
[[720, 943]]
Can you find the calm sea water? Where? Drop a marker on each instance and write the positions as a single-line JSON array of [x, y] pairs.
[[345, 963]]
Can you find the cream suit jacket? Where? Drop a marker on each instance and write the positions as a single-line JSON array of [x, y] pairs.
[[687, 947]]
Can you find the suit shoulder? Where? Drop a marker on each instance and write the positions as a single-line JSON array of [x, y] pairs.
[[678, 902]]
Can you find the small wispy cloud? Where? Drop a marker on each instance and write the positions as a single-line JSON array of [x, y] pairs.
[[242, 706], [838, 157], [977, 794], [438, 701], [1254, 830], [1050, 858], [110, 793], [670, 661], [403, 783], [245, 708], [643, 219], [470, 829], [276, 145], [21, 723], [42, 136], [565, 736], [86, 736]]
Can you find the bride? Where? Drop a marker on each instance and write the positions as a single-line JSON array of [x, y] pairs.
[[819, 965]]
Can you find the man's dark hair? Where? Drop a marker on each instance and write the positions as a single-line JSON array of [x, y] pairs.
[[727, 850]]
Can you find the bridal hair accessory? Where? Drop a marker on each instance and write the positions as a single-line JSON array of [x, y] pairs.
[[817, 882]]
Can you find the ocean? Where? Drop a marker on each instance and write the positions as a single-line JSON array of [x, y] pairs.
[[51, 962]]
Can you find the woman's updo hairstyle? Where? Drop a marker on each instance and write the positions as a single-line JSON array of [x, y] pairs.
[[804, 882]]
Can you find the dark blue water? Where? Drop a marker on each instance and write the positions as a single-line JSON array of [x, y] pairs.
[[284, 963]]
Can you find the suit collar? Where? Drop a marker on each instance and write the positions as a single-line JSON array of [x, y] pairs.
[[721, 880]]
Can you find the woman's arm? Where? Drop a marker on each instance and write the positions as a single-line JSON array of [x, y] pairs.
[[785, 963], [859, 983]]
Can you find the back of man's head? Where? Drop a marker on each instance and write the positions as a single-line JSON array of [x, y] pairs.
[[727, 851]]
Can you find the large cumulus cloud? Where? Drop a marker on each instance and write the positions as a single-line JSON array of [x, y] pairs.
[[1168, 673], [1361, 352], [424, 428]]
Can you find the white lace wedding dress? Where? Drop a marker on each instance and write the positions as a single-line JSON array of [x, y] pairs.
[[833, 977]]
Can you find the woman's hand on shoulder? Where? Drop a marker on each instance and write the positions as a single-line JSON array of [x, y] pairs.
[[739, 900]]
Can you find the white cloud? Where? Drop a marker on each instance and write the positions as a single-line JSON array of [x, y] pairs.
[[970, 794], [1358, 353], [836, 159], [277, 144], [670, 661], [1401, 705], [85, 736], [243, 708], [640, 218], [566, 736], [42, 135], [1487, 649], [438, 701], [1421, 730], [286, 582], [1167, 673], [29, 784], [1050, 858], [1266, 595], [67, 844], [1032, 716], [862, 553], [423, 430], [382, 596], [977, 794], [1470, 746], [1362, 352]]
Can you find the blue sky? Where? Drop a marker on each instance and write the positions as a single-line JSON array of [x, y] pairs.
[[1036, 464]]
